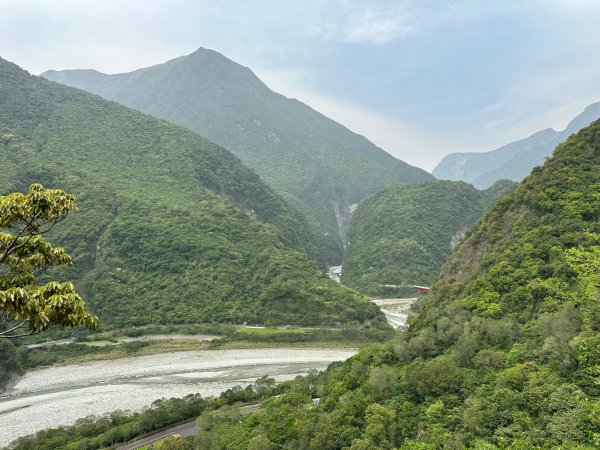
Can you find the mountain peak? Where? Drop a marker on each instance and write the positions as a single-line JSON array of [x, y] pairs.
[[587, 116], [318, 164]]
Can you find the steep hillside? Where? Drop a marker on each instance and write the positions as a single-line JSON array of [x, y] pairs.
[[505, 354], [513, 161], [172, 228], [403, 235], [316, 163]]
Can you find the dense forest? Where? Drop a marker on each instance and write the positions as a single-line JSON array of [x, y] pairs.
[[404, 234], [317, 164], [171, 228], [505, 354]]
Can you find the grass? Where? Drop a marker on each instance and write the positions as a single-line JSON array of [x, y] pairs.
[[242, 338], [80, 353]]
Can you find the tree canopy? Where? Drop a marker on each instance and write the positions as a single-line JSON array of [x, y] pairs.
[[26, 306], [505, 353], [403, 235]]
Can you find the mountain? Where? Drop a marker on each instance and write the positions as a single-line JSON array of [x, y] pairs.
[[317, 164], [513, 161], [404, 234], [171, 228], [505, 353]]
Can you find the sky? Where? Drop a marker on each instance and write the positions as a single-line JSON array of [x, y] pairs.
[[419, 78]]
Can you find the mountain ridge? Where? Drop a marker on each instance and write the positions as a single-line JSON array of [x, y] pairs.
[[504, 353], [172, 228], [402, 235], [317, 164], [512, 161]]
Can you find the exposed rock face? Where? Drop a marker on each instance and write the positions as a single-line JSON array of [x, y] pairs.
[[458, 237]]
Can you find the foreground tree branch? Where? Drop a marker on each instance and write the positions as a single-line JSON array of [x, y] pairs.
[[25, 306]]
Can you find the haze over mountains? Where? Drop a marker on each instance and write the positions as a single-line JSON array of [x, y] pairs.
[[172, 228], [317, 164], [513, 161]]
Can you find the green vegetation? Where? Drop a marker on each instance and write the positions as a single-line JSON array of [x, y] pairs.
[[172, 228], [504, 355], [343, 337], [98, 433], [25, 307], [317, 164], [403, 235], [114, 345], [81, 352]]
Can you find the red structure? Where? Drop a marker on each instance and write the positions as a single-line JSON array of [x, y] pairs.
[[422, 289]]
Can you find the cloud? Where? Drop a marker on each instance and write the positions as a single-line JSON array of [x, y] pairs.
[[536, 101], [385, 22], [379, 27]]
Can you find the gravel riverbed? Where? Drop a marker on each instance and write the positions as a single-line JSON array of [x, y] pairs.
[[60, 395]]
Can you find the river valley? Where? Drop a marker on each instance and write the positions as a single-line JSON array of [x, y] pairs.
[[60, 395]]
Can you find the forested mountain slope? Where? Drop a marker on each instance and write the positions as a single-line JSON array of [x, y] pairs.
[[403, 235], [512, 161], [504, 355], [316, 163], [172, 228]]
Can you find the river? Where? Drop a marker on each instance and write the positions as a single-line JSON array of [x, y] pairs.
[[60, 395]]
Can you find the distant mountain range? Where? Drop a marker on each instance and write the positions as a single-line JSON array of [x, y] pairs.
[[513, 161], [172, 228], [317, 164]]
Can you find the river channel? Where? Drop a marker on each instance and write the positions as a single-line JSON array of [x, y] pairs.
[[60, 395]]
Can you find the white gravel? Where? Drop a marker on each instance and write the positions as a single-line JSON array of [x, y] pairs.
[[60, 395]]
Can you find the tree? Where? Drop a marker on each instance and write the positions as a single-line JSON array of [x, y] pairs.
[[25, 306]]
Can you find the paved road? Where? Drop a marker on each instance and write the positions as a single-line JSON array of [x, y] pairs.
[[50, 343], [184, 429]]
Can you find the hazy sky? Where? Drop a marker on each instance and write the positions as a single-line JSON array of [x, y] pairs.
[[420, 78]]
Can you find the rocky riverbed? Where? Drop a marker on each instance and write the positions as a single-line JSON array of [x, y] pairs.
[[60, 395]]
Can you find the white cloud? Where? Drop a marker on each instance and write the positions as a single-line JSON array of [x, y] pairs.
[[379, 27], [539, 101], [369, 24]]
